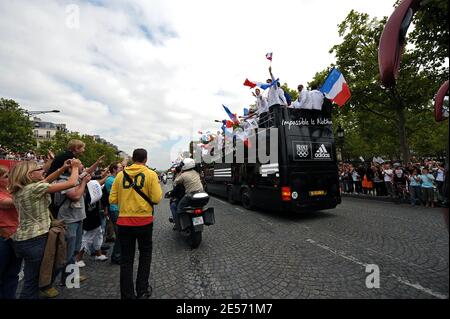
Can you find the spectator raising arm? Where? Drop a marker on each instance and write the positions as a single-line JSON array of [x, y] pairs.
[[53, 176], [77, 193], [71, 182], [94, 166]]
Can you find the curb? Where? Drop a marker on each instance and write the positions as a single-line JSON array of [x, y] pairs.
[[383, 199], [377, 198]]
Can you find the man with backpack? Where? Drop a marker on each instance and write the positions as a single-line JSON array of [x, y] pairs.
[[135, 190]]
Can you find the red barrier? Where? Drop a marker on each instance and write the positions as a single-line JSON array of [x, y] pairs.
[[8, 163]]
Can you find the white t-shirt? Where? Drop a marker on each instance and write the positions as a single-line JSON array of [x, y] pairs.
[[303, 101], [316, 99], [388, 175], [440, 175], [261, 104], [275, 95]]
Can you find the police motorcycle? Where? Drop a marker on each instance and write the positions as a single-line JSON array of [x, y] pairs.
[[194, 216]]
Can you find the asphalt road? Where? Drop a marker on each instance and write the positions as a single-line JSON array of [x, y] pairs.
[[263, 254]]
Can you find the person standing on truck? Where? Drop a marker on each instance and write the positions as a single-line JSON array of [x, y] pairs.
[[316, 100], [276, 93], [261, 108]]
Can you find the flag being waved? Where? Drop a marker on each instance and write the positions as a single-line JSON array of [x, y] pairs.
[[335, 88], [261, 85], [232, 116], [250, 84], [269, 56]]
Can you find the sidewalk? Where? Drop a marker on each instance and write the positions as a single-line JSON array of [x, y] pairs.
[[382, 198]]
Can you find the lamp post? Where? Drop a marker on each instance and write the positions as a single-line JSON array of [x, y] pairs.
[[30, 113], [340, 135]]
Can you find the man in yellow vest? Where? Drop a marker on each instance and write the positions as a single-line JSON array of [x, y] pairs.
[[135, 190]]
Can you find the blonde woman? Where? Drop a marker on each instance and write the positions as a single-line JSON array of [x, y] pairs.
[[31, 197]]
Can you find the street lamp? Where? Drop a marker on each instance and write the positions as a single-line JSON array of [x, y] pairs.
[[340, 135], [30, 113]]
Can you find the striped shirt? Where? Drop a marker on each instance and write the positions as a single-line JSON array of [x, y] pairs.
[[34, 216]]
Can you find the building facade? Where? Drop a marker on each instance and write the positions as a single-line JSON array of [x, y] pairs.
[[43, 131]]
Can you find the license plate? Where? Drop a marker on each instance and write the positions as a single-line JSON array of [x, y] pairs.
[[197, 221], [317, 193]]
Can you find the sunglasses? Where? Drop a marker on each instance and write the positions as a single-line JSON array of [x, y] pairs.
[[37, 169]]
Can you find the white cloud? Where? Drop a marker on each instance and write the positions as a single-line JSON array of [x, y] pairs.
[[141, 73]]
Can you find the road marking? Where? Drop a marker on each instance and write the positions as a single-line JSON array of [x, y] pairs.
[[420, 287], [335, 252], [358, 262], [377, 252]]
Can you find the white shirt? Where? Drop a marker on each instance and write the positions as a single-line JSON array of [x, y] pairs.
[[275, 95], [261, 104], [303, 101], [440, 175], [281, 97], [387, 175], [316, 99]]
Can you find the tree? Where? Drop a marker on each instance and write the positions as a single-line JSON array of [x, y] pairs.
[[373, 110], [93, 149], [16, 129], [430, 36], [292, 93]]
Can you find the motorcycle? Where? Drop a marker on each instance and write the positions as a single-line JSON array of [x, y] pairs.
[[192, 219]]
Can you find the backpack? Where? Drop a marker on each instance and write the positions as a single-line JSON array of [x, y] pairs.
[[57, 200]]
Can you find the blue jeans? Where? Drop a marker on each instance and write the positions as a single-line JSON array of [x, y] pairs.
[[9, 269], [74, 235], [415, 193], [32, 252], [115, 255]]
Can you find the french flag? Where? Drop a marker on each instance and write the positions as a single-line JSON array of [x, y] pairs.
[[232, 116], [335, 88], [269, 56], [261, 85], [249, 83]]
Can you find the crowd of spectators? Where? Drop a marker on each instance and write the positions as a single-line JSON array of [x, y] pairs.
[[420, 182], [7, 154]]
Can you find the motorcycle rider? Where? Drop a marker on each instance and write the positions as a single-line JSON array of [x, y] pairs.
[[190, 179], [176, 195]]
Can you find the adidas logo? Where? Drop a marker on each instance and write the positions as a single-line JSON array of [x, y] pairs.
[[322, 152]]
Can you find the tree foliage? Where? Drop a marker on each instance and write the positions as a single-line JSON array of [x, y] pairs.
[[93, 149], [16, 129], [381, 121], [430, 36]]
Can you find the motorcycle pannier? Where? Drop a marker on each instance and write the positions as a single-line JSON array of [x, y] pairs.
[[208, 216]]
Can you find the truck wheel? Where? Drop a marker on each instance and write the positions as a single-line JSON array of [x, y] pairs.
[[247, 200]]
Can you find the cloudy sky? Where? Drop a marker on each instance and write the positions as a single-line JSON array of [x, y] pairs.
[[149, 73]]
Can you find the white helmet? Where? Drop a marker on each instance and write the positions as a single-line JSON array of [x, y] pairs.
[[188, 163]]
